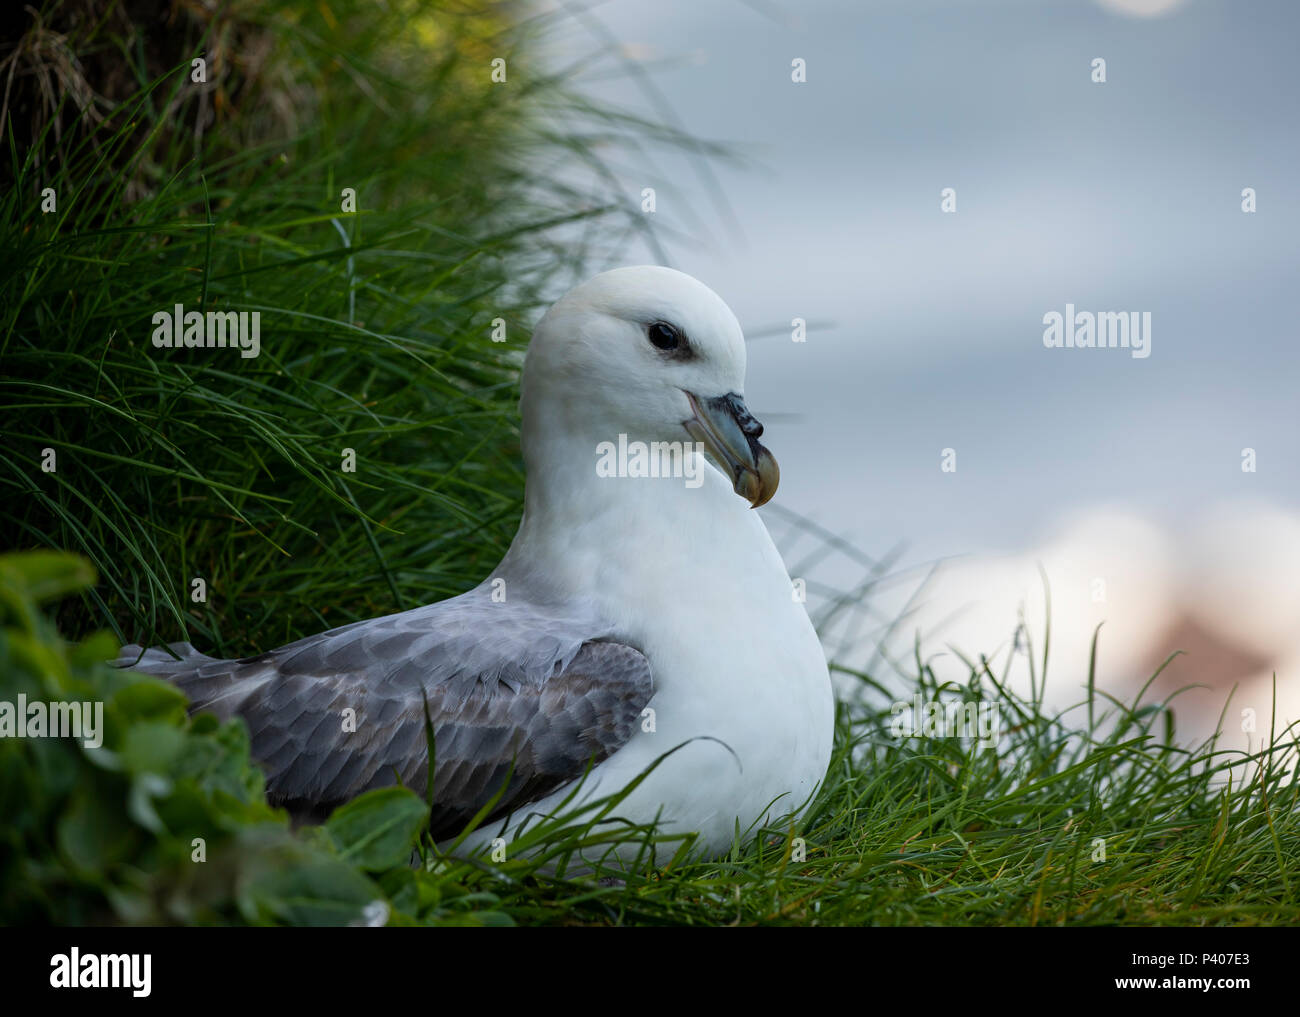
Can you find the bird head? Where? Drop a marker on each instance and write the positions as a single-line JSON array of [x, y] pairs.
[[653, 354]]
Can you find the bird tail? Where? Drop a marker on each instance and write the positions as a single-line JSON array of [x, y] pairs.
[[160, 662], [183, 666]]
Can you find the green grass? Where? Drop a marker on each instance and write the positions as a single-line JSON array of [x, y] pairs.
[[1101, 823], [375, 337], [376, 325]]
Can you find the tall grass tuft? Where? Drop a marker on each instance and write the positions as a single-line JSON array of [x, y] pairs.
[[171, 465]]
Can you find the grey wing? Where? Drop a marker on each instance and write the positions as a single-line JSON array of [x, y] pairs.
[[516, 693]]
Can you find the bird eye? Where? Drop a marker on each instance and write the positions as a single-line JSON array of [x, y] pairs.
[[663, 335]]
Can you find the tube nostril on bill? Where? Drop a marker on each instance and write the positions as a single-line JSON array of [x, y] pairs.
[[745, 420]]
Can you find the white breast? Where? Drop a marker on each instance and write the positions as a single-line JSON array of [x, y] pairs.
[[692, 578]]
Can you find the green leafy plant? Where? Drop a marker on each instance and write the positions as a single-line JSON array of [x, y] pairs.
[[165, 821]]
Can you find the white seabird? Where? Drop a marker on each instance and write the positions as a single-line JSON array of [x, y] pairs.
[[632, 615]]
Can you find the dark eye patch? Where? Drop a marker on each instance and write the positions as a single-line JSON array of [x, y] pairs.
[[668, 338]]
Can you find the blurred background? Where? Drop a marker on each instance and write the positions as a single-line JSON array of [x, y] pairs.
[[1117, 480]]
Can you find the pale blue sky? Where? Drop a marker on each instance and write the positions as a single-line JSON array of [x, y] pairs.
[[1122, 196]]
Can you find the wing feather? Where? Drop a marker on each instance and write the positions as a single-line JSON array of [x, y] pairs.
[[544, 689]]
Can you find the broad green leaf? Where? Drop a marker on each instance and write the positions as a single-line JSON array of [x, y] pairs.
[[378, 830]]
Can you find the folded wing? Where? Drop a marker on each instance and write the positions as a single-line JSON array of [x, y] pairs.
[[516, 692]]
